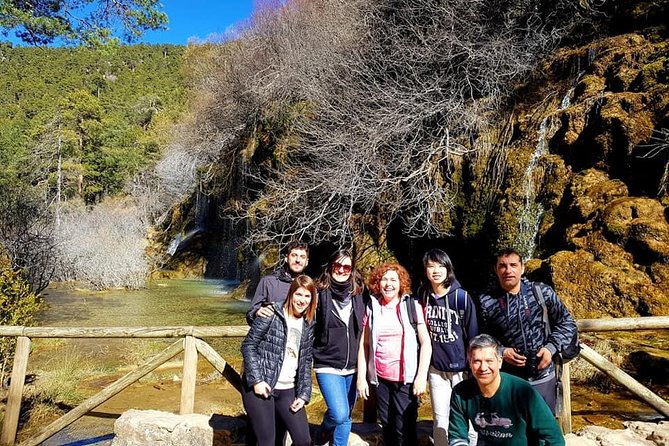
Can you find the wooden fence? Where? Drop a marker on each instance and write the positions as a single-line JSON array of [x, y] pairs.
[[191, 344]]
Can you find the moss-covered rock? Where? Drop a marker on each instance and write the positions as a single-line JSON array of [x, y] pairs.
[[590, 190], [592, 289], [640, 225]]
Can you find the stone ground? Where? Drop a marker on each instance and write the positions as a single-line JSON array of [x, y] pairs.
[[635, 434]]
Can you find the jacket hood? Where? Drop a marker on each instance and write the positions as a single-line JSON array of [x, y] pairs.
[[283, 275]]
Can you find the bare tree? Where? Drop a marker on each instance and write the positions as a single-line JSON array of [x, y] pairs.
[[26, 232], [341, 108], [103, 246]]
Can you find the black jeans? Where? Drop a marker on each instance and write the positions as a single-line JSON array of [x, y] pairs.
[[269, 415], [398, 412]]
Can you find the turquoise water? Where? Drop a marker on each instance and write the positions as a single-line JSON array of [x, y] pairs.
[[100, 361], [174, 302], [162, 303]]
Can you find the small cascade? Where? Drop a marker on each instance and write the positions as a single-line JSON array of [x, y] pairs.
[[530, 216], [200, 218]]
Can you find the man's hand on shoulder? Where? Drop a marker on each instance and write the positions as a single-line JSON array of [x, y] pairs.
[[265, 311]]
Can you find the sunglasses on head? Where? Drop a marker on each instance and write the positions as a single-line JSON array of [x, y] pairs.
[[336, 266]]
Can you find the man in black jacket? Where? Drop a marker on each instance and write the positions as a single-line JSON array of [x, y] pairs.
[[274, 287], [511, 313]]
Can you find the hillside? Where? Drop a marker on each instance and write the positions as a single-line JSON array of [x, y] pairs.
[[106, 114]]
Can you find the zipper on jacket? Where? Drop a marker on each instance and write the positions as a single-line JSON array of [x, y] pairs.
[[348, 343]]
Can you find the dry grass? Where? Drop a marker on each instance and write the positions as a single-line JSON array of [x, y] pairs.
[[59, 380], [585, 374]]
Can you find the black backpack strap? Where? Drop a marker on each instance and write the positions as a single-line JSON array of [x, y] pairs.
[[461, 304], [411, 312], [461, 307], [539, 296]]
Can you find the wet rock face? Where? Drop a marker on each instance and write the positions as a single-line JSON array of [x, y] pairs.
[[606, 246], [619, 106], [591, 189], [617, 265]]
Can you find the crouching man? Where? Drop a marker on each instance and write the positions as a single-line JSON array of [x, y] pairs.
[[504, 409]]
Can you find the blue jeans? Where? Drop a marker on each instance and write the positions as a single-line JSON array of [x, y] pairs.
[[339, 394]]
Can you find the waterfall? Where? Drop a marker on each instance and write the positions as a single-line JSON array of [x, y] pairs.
[[530, 216], [200, 218]]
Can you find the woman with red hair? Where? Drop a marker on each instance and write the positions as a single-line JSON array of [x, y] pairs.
[[394, 354]]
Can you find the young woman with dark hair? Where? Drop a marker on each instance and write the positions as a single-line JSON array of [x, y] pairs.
[[451, 320], [341, 306], [277, 356]]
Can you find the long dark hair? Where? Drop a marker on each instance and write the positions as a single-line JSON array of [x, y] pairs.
[[325, 280], [440, 257]]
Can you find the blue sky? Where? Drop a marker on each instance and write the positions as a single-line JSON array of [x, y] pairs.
[[199, 19], [190, 19]]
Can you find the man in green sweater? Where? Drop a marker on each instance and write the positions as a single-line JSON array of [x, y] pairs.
[[504, 410]]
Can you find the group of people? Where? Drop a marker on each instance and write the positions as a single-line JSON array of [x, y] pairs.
[[384, 338]]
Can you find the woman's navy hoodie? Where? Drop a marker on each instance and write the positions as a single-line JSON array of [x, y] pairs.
[[451, 321]]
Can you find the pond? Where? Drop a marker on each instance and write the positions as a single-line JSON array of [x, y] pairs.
[[162, 303], [98, 362]]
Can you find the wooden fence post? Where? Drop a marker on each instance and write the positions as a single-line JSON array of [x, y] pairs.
[[623, 378], [564, 417], [189, 377], [13, 410]]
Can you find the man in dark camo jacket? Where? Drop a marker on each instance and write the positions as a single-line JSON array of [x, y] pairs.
[[511, 314]]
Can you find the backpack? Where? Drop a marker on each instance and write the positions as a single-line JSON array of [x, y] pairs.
[[411, 312], [573, 348]]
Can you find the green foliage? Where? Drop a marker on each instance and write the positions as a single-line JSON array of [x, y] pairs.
[[94, 23], [103, 114], [18, 304]]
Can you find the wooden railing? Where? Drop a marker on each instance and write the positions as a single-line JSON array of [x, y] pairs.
[[191, 344], [610, 369]]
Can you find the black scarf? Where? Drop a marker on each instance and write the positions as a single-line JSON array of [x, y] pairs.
[[341, 292]]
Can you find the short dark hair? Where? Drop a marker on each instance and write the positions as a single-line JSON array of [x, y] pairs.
[[440, 257], [507, 252], [480, 341], [296, 244]]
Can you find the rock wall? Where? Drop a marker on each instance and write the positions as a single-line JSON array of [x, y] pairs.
[[603, 235]]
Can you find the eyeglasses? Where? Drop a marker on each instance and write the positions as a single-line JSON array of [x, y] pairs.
[[346, 269]]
